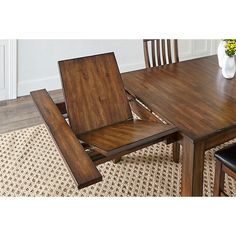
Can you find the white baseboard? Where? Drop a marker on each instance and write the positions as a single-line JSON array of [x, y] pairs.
[[54, 82], [130, 67], [49, 83]]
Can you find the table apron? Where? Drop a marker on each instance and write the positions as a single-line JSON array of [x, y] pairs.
[[220, 138]]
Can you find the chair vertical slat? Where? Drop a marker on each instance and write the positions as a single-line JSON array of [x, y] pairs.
[[169, 51], [158, 52], [153, 53], [176, 52], [163, 51], [146, 54]]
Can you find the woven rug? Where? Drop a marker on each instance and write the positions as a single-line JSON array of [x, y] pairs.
[[30, 165]]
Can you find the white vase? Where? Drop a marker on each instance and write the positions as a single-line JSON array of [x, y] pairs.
[[221, 53], [228, 67]]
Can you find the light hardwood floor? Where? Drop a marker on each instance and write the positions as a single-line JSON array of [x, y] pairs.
[[22, 113]]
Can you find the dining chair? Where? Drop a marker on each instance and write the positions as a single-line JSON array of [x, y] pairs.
[[158, 52], [100, 124], [225, 164]]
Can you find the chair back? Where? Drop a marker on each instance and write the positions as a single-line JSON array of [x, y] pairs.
[[94, 93], [159, 52]]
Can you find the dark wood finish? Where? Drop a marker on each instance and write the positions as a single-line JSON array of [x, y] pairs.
[[219, 179], [159, 56], [169, 50], [220, 171], [193, 159], [176, 51], [228, 171], [80, 164], [194, 96], [224, 135], [197, 98], [146, 114], [142, 112], [146, 54], [163, 50], [159, 52], [139, 110], [99, 98], [223, 194], [176, 151], [99, 112], [124, 136], [127, 151], [62, 108], [22, 113]]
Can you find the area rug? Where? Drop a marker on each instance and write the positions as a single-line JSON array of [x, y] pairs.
[[30, 165]]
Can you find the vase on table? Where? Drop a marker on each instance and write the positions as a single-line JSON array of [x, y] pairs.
[[221, 53], [228, 67]]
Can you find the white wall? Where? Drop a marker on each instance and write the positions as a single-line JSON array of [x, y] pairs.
[[37, 59]]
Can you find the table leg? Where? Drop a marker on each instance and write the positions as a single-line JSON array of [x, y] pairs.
[[193, 166], [176, 151]]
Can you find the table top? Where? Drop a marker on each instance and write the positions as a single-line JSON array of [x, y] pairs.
[[193, 95]]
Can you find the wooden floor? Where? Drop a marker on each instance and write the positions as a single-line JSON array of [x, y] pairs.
[[21, 113]]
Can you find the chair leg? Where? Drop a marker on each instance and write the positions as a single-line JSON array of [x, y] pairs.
[[176, 151], [219, 179], [117, 159]]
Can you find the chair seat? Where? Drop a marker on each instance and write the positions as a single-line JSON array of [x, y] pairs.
[[227, 156], [126, 135]]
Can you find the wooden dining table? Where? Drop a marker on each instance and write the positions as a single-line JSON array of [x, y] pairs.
[[195, 97]]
